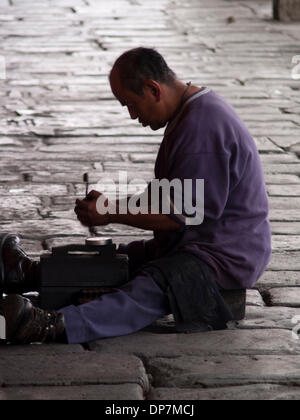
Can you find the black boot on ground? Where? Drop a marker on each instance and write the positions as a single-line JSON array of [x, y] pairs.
[[18, 273], [27, 324]]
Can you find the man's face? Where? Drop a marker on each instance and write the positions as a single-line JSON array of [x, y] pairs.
[[145, 108]]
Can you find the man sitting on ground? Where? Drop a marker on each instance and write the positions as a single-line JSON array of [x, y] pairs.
[[186, 264]]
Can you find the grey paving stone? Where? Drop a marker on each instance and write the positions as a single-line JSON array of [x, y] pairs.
[[279, 317], [142, 157], [257, 392], [285, 261], [219, 371], [38, 349], [24, 189], [266, 145], [285, 140], [272, 130], [279, 278], [46, 228], [286, 242], [285, 228], [150, 141], [121, 392], [254, 298], [296, 148], [63, 156], [285, 296], [284, 203], [146, 344], [292, 110], [282, 168], [32, 246], [284, 215], [274, 158], [9, 141], [284, 190], [54, 242], [34, 166], [88, 368], [8, 177], [17, 207]]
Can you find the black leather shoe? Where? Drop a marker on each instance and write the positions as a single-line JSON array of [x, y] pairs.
[[27, 324], [18, 273]]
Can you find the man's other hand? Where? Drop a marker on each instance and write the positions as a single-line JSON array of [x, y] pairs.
[[86, 211]]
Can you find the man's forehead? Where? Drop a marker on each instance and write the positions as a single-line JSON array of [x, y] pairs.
[[123, 95], [115, 80]]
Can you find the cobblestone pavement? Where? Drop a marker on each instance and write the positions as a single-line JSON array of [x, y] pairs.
[[59, 120]]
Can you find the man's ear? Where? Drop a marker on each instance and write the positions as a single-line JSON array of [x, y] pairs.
[[154, 88]]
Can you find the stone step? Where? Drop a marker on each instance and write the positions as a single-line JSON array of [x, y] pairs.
[[213, 343], [220, 371], [87, 368]]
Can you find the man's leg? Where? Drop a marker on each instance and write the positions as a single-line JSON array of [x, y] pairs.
[[134, 306]]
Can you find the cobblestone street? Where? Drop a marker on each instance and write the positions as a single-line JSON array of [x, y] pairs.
[[60, 120]]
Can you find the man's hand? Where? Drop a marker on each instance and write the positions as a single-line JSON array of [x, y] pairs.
[[87, 213]]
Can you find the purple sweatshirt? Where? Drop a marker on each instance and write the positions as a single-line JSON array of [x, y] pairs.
[[207, 140]]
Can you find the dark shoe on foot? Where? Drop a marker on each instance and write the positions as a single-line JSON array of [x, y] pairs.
[[18, 273], [27, 324]]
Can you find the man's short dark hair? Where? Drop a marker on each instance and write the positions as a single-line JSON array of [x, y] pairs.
[[140, 64]]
